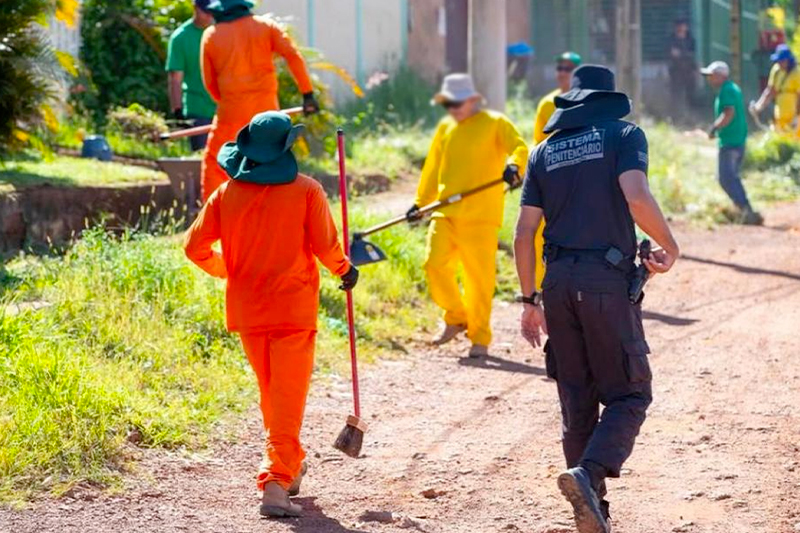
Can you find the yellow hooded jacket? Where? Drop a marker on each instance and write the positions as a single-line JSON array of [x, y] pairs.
[[466, 155]]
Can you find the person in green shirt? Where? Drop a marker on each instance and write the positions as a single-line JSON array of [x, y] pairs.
[[730, 127], [188, 97]]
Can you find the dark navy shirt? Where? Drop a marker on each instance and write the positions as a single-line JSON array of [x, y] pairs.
[[574, 177]]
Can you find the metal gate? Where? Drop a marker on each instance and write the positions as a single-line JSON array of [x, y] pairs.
[[587, 26], [717, 45]]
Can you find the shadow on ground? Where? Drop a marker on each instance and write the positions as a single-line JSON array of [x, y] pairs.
[[744, 269], [668, 319], [315, 520], [492, 362]]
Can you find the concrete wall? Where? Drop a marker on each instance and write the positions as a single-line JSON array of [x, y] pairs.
[[427, 50], [518, 13], [430, 35], [361, 36]]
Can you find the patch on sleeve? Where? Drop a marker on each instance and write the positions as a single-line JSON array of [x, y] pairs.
[[575, 149], [643, 157]]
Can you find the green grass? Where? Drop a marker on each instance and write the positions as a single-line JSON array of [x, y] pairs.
[[123, 336], [390, 152], [683, 173], [28, 171]]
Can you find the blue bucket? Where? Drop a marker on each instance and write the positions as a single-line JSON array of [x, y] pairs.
[[96, 147]]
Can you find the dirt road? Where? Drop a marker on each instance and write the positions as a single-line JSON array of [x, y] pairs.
[[458, 445]]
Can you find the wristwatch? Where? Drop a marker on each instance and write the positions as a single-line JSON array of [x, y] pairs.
[[533, 299]]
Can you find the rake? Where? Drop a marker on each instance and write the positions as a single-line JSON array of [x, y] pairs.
[[363, 252]]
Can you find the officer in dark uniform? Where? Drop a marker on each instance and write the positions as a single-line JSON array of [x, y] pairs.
[[589, 180]]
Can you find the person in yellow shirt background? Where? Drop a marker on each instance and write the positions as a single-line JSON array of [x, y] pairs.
[[565, 64], [471, 147], [783, 87]]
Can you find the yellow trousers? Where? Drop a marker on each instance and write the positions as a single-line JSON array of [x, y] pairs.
[[474, 247], [783, 125]]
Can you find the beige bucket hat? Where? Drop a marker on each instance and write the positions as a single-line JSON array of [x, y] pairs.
[[456, 88]]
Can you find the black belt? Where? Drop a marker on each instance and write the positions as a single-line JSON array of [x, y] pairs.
[[611, 256]]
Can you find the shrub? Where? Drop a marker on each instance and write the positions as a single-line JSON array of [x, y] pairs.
[[400, 98], [124, 53], [136, 121], [772, 151], [28, 68]]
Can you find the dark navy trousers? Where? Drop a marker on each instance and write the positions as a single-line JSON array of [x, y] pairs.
[[597, 354]]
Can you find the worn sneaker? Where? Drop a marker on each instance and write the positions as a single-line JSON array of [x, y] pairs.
[[449, 333], [478, 350], [576, 486], [276, 504], [294, 488]]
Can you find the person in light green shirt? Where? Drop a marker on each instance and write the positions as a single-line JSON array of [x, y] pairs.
[[187, 95], [730, 127]]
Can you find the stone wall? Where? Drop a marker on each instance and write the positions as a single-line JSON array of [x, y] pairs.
[[39, 216]]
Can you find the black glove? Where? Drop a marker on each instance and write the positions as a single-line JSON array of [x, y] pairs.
[[413, 214], [350, 279], [177, 113], [512, 177], [310, 104]]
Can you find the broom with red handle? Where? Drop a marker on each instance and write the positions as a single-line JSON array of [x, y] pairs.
[[351, 437]]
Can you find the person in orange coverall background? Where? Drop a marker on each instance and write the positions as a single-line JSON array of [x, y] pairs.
[[239, 74], [273, 224]]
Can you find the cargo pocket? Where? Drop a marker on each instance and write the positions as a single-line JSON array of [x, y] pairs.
[[636, 364], [550, 361]]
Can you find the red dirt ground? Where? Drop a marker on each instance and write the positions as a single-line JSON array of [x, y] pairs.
[[459, 446]]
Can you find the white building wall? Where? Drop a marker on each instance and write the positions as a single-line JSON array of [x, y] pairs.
[[64, 38], [362, 45]]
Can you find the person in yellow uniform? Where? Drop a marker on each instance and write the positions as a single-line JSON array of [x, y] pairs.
[[565, 64], [471, 147], [783, 87]]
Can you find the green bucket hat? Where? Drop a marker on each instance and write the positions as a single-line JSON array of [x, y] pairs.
[[262, 152]]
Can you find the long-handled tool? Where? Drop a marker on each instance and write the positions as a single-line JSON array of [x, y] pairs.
[[364, 253], [753, 110], [351, 438], [202, 130]]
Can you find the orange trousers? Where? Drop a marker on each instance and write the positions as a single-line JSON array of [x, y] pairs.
[[283, 362]]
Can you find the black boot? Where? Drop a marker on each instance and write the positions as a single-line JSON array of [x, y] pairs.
[[605, 508], [576, 486]]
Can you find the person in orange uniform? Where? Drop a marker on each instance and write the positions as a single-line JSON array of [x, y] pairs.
[[565, 64], [273, 224], [239, 74]]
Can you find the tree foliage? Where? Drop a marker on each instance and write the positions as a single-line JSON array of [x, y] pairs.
[[28, 67], [123, 49]]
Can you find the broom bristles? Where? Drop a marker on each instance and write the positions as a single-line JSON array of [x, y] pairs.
[[349, 441], [351, 438]]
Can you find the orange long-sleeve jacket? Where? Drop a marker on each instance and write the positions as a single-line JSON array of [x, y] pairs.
[[271, 236], [238, 68]]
